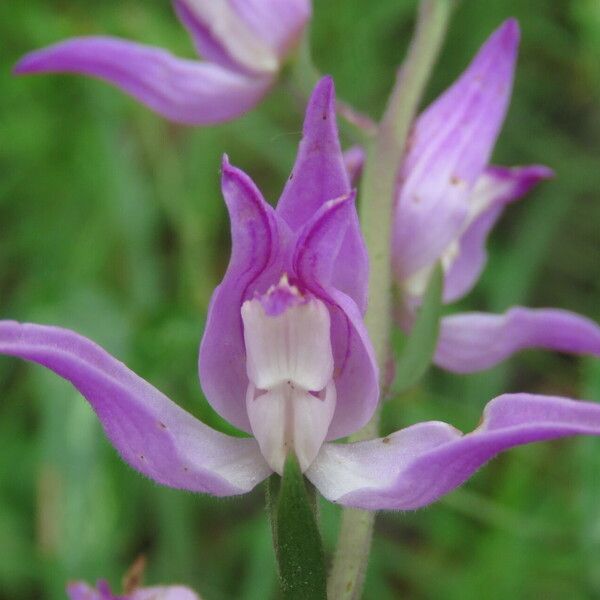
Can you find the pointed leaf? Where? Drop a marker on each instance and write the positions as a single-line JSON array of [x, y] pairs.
[[296, 536]]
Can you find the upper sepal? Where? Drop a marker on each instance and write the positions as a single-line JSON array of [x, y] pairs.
[[319, 176]]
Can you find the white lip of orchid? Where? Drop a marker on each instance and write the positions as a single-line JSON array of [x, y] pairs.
[[291, 395], [480, 199], [242, 44]]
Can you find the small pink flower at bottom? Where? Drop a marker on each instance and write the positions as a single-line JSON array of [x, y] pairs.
[[82, 591]]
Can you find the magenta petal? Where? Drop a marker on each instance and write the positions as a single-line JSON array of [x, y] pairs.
[[417, 465], [472, 342], [79, 590], [319, 243], [207, 43], [171, 592], [151, 433], [356, 374], [320, 175], [496, 187], [186, 91], [450, 146], [256, 263], [279, 24]]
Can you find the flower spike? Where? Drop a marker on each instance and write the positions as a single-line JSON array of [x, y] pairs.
[[449, 198]]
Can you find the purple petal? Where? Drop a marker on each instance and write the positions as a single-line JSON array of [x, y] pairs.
[[472, 342], [222, 34], [356, 373], [319, 243], [495, 188], [172, 592], [450, 146], [207, 43], [278, 23], [415, 466], [82, 591], [256, 263], [354, 159], [320, 175], [182, 90], [79, 590], [151, 433]]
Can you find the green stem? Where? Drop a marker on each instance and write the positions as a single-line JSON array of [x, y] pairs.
[[384, 156]]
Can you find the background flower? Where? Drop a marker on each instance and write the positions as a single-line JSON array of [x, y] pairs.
[[449, 198], [243, 44]]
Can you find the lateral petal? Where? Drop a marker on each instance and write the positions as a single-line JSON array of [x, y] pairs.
[[417, 465], [449, 147], [495, 188], [356, 373], [186, 91], [257, 254], [471, 342], [320, 175], [151, 433]]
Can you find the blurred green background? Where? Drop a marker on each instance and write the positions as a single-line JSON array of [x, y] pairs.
[[112, 223]]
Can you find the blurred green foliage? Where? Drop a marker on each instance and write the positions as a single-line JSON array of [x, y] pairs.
[[112, 223]]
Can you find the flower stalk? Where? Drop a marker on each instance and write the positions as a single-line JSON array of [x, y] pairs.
[[383, 159]]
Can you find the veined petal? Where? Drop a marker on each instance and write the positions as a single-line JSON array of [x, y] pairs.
[[415, 466], [151, 433], [222, 33], [319, 243], [449, 147], [207, 44], [356, 373], [471, 342], [320, 175], [495, 188], [279, 24], [191, 92], [256, 263]]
